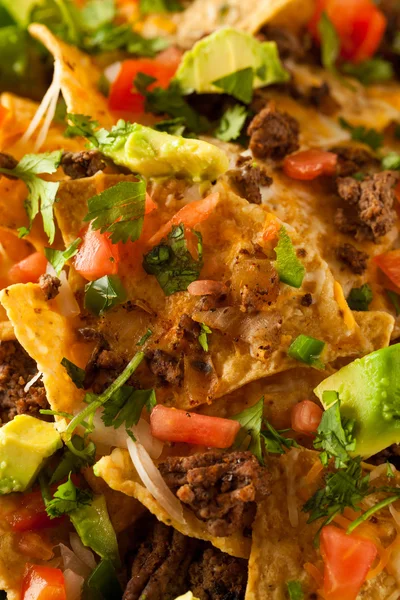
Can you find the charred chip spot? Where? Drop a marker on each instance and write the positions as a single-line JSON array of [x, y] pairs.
[[49, 286], [273, 134], [247, 177], [355, 260], [202, 366], [306, 300], [301, 252]]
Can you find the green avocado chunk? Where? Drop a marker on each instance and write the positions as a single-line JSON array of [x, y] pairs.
[[154, 153], [369, 392], [25, 443], [224, 52], [94, 527]]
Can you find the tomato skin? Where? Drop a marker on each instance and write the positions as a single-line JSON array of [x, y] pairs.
[[30, 514], [43, 583], [389, 263], [29, 269], [347, 559], [310, 164], [122, 95], [97, 255], [174, 425], [359, 24], [306, 416]]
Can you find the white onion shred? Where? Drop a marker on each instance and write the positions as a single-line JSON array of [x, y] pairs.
[[82, 552], [111, 72], [153, 481], [379, 471], [73, 562], [73, 584], [142, 433], [46, 109], [292, 456], [32, 381], [66, 301]]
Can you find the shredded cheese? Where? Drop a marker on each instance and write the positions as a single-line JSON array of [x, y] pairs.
[[344, 307], [32, 381]]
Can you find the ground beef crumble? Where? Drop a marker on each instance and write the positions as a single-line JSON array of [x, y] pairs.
[[369, 212], [16, 369], [82, 164], [167, 564], [352, 159], [355, 259], [247, 177], [49, 286], [7, 161], [165, 366], [221, 488], [273, 134]]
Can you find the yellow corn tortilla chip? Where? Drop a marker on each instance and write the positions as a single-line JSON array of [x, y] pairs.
[[6, 331], [12, 565], [119, 473], [47, 337], [79, 77]]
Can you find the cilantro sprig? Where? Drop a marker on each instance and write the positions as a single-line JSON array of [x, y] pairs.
[[42, 194], [66, 499], [359, 133], [58, 258], [103, 294], [231, 123], [125, 407]]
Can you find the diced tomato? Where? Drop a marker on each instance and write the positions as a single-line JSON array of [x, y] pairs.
[[389, 263], [28, 269], [309, 164], [190, 215], [150, 205], [43, 583], [347, 559], [306, 416], [123, 97], [206, 287], [359, 24], [97, 255], [173, 425], [30, 514]]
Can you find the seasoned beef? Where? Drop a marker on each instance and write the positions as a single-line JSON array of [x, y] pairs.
[[16, 369], [49, 285], [247, 177], [352, 159], [82, 164], [221, 488], [289, 45], [369, 212], [7, 162], [391, 454], [188, 328], [355, 259], [165, 366], [273, 134], [167, 564]]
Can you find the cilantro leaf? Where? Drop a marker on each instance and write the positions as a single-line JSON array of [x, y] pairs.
[[76, 373], [58, 258], [171, 262], [67, 498], [144, 337], [250, 420], [238, 84], [84, 126], [172, 126], [42, 194], [203, 339], [370, 71], [335, 437], [295, 590], [359, 133], [161, 6], [119, 210], [391, 161], [103, 294], [96, 13], [389, 470], [360, 298], [274, 441], [330, 43], [289, 268], [395, 300], [109, 37], [231, 123], [125, 407], [71, 463]]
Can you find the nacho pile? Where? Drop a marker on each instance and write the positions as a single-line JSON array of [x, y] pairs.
[[199, 300]]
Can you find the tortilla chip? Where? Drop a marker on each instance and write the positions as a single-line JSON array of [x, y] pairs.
[[12, 566], [48, 337], [79, 77], [119, 473], [6, 331]]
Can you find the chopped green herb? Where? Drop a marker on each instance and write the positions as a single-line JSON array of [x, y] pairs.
[[389, 470], [103, 583], [103, 294], [161, 6], [231, 123], [172, 126], [330, 43], [391, 161], [295, 590], [238, 84], [397, 129], [203, 339], [370, 71], [125, 406], [76, 373], [290, 269], [84, 126], [67, 498], [307, 349], [360, 298], [395, 300], [274, 441], [110, 37], [370, 137], [71, 463], [119, 210], [42, 194], [144, 338], [250, 420], [171, 262], [58, 258], [335, 437]]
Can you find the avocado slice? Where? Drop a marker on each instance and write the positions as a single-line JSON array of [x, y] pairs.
[[25, 443], [369, 392], [21, 10], [224, 52], [154, 153]]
